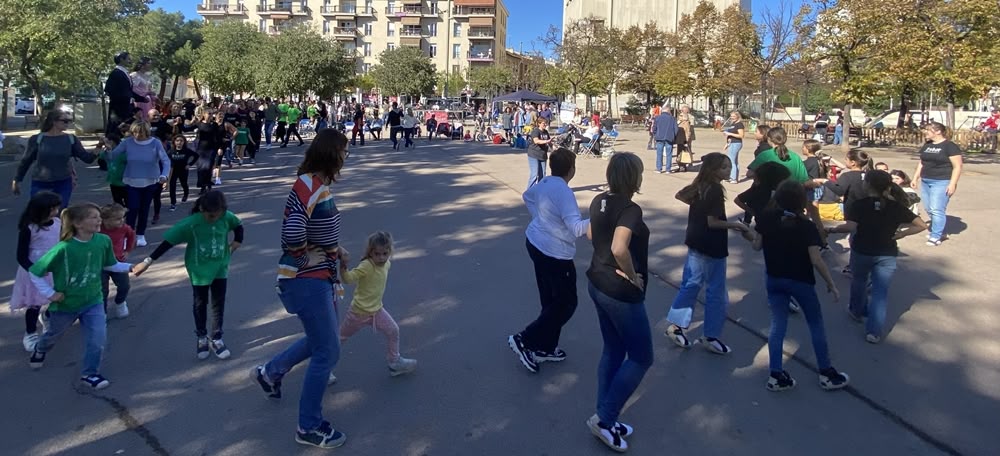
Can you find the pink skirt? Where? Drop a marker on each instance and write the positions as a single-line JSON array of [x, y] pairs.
[[25, 294]]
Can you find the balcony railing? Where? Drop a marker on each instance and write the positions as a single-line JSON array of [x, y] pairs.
[[482, 33], [366, 11], [480, 55], [411, 33], [283, 8], [339, 10], [410, 10], [221, 9], [473, 11]]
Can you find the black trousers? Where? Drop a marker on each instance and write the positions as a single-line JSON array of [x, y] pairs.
[[201, 294], [179, 174], [557, 291], [293, 129], [359, 131], [119, 194], [393, 132], [279, 133]]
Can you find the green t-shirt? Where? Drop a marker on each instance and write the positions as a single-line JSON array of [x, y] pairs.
[[283, 112], [242, 136], [294, 114], [116, 168], [311, 111], [76, 271], [207, 254], [794, 164]]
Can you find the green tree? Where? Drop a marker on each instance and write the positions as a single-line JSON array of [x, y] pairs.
[[184, 58], [225, 59], [579, 53], [159, 35], [675, 78], [654, 46], [491, 80], [449, 83], [363, 82], [31, 32], [554, 82], [405, 71], [317, 66]]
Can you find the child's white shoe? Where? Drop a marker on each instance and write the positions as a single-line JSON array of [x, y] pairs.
[[121, 310], [29, 342], [140, 240], [402, 366], [332, 379]]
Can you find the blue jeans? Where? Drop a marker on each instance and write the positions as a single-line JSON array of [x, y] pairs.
[[536, 170], [138, 200], [702, 271], [664, 152], [625, 330], [320, 124], [312, 301], [934, 193], [63, 188], [733, 150], [268, 130], [880, 269], [838, 135], [779, 292], [94, 324]]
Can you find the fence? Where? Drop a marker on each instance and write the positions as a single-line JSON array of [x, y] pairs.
[[968, 140]]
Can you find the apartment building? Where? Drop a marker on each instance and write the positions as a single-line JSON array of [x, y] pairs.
[[626, 13], [456, 34]]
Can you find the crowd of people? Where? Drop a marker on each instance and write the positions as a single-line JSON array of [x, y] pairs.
[[69, 252]]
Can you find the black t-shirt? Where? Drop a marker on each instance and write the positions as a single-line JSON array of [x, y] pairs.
[[787, 238], [935, 159], [812, 167], [878, 220], [761, 147], [189, 110], [182, 158], [607, 212], [713, 242], [395, 118], [735, 128], [208, 136], [756, 198], [850, 185], [538, 151], [161, 130]]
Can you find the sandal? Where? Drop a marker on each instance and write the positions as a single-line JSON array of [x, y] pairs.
[[676, 333], [716, 346]]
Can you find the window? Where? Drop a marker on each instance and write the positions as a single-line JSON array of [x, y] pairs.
[[432, 29], [432, 51], [391, 46], [263, 26], [391, 29], [368, 49], [434, 8], [368, 29], [391, 8], [366, 67], [456, 51], [456, 69], [458, 29], [326, 27]]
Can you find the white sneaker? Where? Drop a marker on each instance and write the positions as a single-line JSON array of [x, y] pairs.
[[29, 342], [402, 366], [121, 310], [140, 241], [332, 379], [218, 181]]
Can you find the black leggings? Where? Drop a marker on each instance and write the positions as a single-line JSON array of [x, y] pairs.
[[179, 173], [201, 293], [293, 129], [31, 319], [157, 199]]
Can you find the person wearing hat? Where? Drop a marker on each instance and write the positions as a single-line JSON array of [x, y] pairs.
[[121, 95]]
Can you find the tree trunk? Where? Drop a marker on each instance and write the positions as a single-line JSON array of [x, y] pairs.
[[197, 89], [104, 112], [3, 104], [173, 90], [950, 110], [905, 98], [163, 86], [845, 145]]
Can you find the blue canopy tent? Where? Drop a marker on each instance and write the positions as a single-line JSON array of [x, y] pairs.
[[526, 95]]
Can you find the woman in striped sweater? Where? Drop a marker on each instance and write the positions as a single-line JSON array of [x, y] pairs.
[[310, 239]]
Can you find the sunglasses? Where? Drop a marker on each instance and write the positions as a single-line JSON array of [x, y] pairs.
[[66, 120]]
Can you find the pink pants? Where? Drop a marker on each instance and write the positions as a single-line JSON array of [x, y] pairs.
[[381, 321]]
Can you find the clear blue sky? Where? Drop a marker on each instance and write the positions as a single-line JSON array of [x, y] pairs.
[[529, 19]]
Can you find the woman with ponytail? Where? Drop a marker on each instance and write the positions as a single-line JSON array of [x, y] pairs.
[[779, 153]]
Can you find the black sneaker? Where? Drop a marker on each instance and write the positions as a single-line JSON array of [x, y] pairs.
[[555, 356], [272, 389], [325, 436], [831, 379], [96, 381], [610, 436], [780, 381], [37, 359], [202, 348], [523, 354]]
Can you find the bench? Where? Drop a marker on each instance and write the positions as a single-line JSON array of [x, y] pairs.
[[30, 121]]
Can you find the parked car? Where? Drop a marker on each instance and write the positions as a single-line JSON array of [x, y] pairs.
[[24, 106]]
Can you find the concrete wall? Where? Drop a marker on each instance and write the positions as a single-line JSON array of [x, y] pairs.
[[626, 13]]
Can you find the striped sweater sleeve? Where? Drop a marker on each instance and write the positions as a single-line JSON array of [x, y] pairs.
[[295, 226]]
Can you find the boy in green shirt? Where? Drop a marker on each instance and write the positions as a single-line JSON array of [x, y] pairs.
[[293, 125]]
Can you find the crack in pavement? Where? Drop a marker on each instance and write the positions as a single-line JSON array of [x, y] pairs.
[[126, 417]]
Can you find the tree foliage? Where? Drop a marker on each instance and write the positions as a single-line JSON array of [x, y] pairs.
[[404, 71], [225, 59], [491, 80], [318, 65], [449, 84]]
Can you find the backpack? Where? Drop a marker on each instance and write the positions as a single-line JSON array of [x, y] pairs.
[[520, 142]]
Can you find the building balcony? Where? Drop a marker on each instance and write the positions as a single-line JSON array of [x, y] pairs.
[[222, 9], [366, 11], [410, 40], [344, 33], [473, 11], [482, 33], [404, 11], [339, 11], [480, 55], [278, 10]]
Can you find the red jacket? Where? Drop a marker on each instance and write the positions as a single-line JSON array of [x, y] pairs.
[[122, 240]]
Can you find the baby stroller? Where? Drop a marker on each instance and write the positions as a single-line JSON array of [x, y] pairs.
[[443, 128], [457, 131], [306, 129]]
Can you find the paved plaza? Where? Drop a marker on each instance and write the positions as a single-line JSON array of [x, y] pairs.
[[462, 281]]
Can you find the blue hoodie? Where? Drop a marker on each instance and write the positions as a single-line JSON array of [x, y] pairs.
[[664, 127]]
